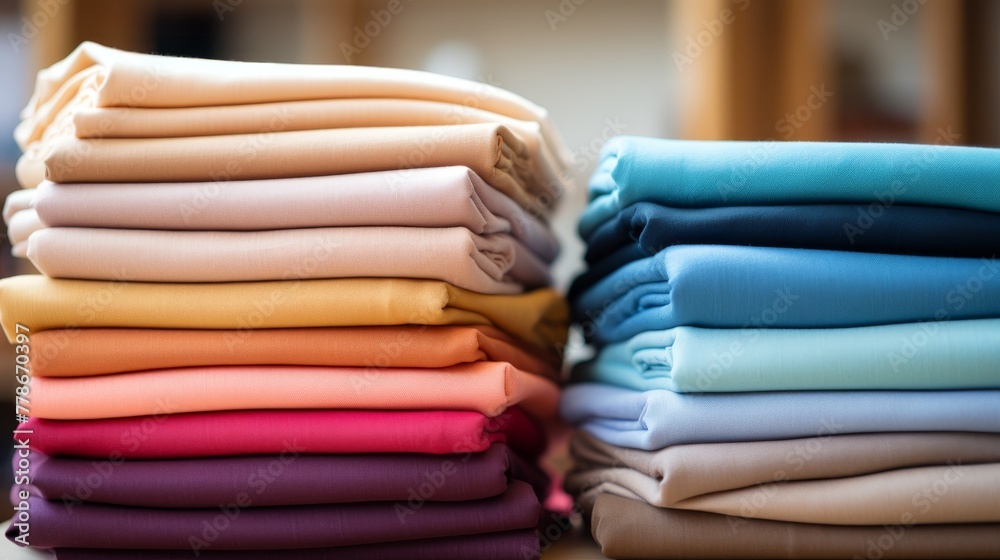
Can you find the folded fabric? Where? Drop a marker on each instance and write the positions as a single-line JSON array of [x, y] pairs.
[[486, 387], [430, 197], [253, 432], [507, 545], [657, 419], [97, 76], [487, 264], [42, 303], [19, 227], [628, 528], [78, 352], [233, 527], [492, 151], [644, 229], [741, 287], [932, 355], [698, 174], [288, 478], [849, 490]]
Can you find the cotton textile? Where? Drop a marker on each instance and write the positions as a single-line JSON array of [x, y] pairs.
[[40, 303], [696, 285], [657, 419], [934, 355], [431, 197], [628, 528], [253, 432], [106, 526], [81, 352], [486, 387], [289, 478], [487, 264], [509, 545], [699, 174]]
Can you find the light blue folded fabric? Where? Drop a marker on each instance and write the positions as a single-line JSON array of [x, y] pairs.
[[931, 355], [698, 174], [657, 419], [724, 286]]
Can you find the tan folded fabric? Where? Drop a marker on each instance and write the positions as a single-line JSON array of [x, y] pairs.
[[632, 529], [864, 479], [488, 264], [98, 76], [41, 303], [98, 351]]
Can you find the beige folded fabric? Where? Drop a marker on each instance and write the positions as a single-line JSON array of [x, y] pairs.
[[488, 264], [98, 76], [15, 202], [41, 303], [864, 479], [20, 226], [492, 151], [632, 529]]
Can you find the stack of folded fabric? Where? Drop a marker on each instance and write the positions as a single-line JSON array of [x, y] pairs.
[[286, 311], [799, 351]]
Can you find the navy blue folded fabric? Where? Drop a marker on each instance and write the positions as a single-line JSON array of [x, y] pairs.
[[738, 287]]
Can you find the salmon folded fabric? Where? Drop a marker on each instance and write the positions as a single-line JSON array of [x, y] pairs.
[[487, 264], [628, 528], [432, 197], [164, 435], [487, 387], [42, 303], [98, 351]]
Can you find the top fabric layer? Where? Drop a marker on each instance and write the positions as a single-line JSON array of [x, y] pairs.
[[698, 174]]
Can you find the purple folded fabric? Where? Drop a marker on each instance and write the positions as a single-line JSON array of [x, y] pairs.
[[510, 545], [289, 478], [233, 526]]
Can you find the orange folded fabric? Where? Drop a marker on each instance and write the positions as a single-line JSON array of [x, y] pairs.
[[97, 351], [486, 387]]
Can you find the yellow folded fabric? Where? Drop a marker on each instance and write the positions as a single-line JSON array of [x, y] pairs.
[[41, 303]]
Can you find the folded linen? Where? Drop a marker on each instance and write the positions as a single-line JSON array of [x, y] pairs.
[[20, 226], [486, 387], [859, 491], [80, 352], [288, 478], [507, 545], [487, 264], [657, 419], [741, 287], [42, 303], [428, 197], [699, 174], [627, 528], [165, 435], [932, 355], [313, 526]]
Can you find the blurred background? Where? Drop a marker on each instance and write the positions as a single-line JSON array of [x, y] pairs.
[[856, 70]]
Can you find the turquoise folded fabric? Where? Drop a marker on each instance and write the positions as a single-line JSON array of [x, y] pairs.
[[765, 287], [657, 419], [698, 174], [931, 355]]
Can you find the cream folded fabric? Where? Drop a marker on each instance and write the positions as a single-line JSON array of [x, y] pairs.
[[431, 197], [486, 387], [488, 264], [865, 479], [20, 226], [97, 76], [632, 529], [41, 303]]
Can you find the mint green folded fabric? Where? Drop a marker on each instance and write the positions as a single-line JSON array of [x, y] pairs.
[[700, 174], [929, 355]]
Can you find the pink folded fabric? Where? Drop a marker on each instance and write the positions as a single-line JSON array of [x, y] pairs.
[[487, 264], [430, 197], [486, 387]]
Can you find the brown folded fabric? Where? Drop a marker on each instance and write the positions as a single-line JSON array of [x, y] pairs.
[[97, 351], [632, 529]]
